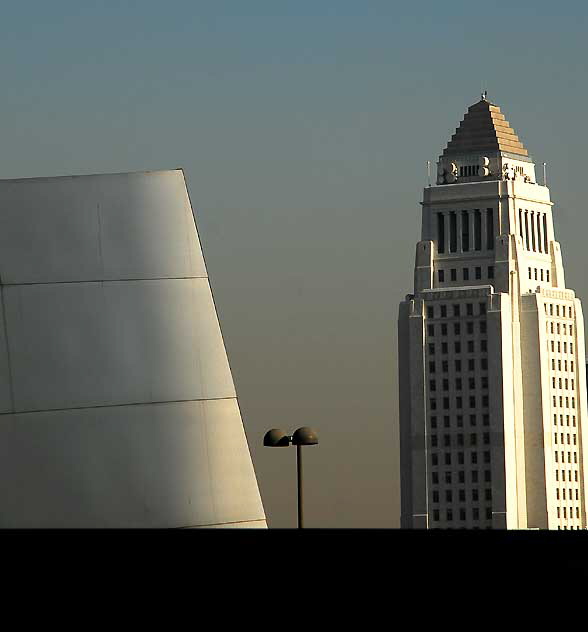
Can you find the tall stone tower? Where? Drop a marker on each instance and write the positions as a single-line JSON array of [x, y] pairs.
[[491, 348]]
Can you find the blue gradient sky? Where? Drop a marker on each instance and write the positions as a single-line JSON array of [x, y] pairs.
[[303, 128]]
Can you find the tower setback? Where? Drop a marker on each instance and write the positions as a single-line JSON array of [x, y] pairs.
[[491, 347]]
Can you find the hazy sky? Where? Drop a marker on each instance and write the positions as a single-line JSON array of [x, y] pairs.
[[303, 129]]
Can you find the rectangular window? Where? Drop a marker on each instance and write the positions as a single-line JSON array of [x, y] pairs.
[[430, 330], [472, 420], [466, 274], [477, 230], [482, 326], [431, 367], [443, 347], [440, 233], [489, 229], [444, 329], [490, 272], [457, 347], [430, 312], [478, 272], [456, 329], [470, 346], [482, 309], [469, 309], [452, 232], [433, 422], [443, 311], [470, 327], [458, 365], [441, 275], [456, 310], [453, 273], [459, 421], [471, 363], [484, 364]]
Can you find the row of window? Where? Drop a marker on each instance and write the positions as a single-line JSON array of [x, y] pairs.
[[471, 365], [459, 402], [561, 381], [551, 344], [461, 514], [563, 475], [443, 328], [549, 308], [571, 512], [459, 421], [461, 459], [459, 439], [466, 224], [459, 383], [563, 494], [461, 495], [563, 458], [559, 365], [469, 170], [474, 477], [571, 438], [470, 346], [456, 310], [540, 276], [533, 230], [567, 400], [561, 421], [465, 274], [560, 328]]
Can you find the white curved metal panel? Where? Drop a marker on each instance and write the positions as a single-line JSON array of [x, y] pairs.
[[152, 465], [5, 382], [117, 404], [97, 344], [87, 228]]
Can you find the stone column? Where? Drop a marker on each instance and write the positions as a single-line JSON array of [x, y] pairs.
[[459, 231], [484, 227], [446, 231]]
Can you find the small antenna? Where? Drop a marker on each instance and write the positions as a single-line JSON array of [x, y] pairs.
[[484, 91], [544, 174], [429, 172]]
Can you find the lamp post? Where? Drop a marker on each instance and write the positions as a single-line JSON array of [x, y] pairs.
[[276, 438]]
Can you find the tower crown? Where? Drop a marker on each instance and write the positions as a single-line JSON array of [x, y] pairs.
[[484, 129], [484, 146]]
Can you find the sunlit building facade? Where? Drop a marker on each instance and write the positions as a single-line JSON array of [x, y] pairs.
[[491, 347]]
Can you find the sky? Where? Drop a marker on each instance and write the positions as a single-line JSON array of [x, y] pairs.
[[303, 129]]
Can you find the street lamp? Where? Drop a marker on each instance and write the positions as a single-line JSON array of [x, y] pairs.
[[276, 438]]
